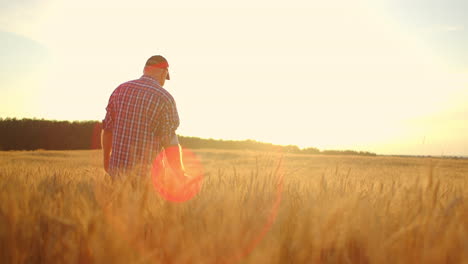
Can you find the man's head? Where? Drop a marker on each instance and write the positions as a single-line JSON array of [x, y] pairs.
[[158, 68]]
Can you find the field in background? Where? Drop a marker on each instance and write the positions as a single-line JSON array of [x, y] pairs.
[[60, 207]]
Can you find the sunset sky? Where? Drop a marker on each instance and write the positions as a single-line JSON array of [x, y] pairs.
[[387, 76]]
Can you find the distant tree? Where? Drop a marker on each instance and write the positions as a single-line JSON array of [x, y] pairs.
[[310, 151], [31, 134]]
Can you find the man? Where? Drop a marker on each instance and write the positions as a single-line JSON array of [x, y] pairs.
[[141, 121]]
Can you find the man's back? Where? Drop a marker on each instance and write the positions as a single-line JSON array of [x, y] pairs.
[[143, 118]]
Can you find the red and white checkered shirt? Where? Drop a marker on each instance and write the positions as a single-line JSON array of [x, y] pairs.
[[143, 118]]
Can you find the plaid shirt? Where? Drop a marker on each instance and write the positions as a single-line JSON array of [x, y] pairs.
[[143, 119]]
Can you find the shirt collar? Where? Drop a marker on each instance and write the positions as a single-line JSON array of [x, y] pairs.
[[146, 77]]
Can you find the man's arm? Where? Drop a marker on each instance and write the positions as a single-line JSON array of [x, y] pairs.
[[106, 143], [174, 156]]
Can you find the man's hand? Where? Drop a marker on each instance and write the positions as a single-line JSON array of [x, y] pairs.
[[190, 180], [174, 158], [106, 164]]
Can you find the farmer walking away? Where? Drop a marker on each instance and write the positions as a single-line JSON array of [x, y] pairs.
[[140, 122]]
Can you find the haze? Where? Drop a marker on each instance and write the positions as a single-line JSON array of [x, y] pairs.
[[383, 76]]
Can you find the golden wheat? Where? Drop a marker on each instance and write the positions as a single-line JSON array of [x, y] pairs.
[[60, 207]]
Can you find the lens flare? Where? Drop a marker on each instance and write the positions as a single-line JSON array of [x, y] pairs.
[[173, 186]]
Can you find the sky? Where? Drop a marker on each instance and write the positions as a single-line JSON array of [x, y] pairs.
[[387, 76]]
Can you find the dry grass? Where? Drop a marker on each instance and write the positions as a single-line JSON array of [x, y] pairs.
[[59, 207]]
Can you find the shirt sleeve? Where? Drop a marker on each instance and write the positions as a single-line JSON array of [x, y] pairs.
[[108, 122], [168, 123]]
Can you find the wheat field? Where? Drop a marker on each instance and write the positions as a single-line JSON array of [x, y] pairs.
[[61, 207]]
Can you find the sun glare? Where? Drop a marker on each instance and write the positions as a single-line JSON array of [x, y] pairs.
[[325, 75]]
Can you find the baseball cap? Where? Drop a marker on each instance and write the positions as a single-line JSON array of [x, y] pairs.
[[158, 61]]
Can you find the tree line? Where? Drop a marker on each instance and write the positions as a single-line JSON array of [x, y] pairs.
[[32, 134]]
